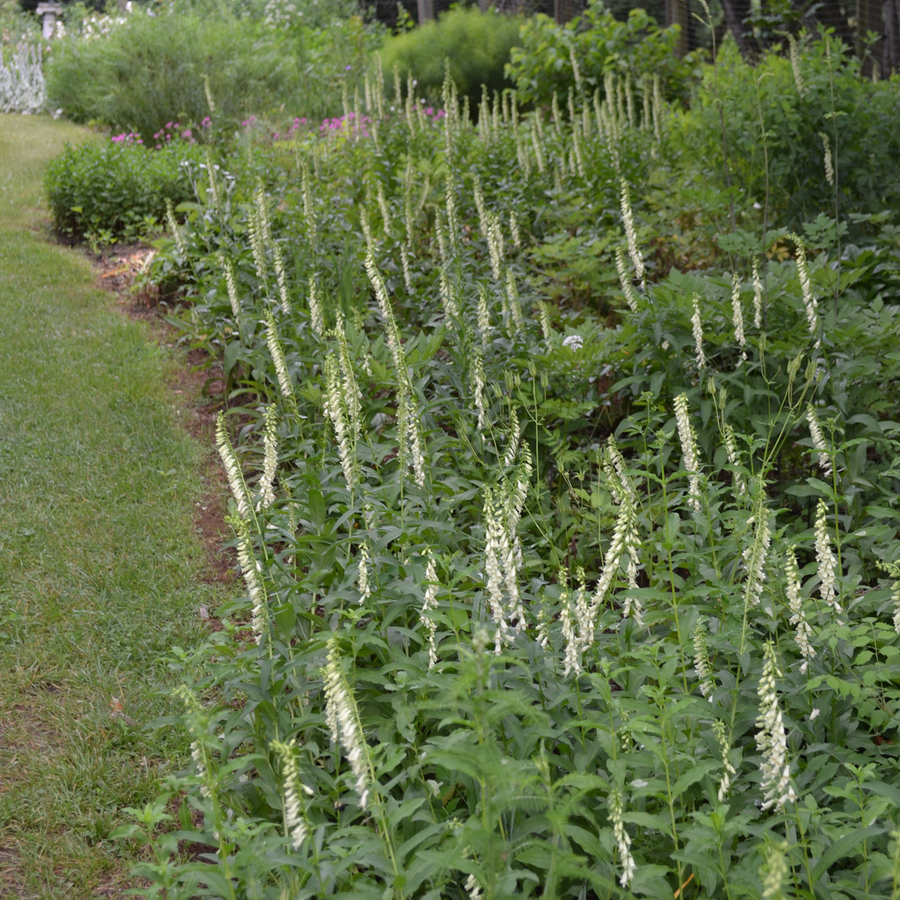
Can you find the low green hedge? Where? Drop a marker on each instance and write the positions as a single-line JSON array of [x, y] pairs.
[[117, 190]]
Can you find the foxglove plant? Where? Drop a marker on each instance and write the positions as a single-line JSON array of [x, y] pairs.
[[771, 739], [689, 453]]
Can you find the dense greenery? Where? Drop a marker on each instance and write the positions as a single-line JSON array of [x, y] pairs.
[[121, 188], [207, 60], [561, 581], [553, 59], [476, 46]]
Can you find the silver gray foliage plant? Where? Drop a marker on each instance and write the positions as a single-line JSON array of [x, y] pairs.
[[22, 86]]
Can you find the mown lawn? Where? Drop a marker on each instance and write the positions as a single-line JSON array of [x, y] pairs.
[[101, 567]]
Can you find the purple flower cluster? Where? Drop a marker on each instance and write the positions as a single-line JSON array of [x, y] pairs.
[[291, 132], [347, 125], [172, 131], [130, 138]]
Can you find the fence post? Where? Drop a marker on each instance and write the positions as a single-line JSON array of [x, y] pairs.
[[426, 10], [678, 12]]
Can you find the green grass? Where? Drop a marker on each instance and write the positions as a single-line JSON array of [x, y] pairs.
[[100, 566]]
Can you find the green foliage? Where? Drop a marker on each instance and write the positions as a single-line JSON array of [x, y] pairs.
[[477, 45], [831, 105], [521, 617], [153, 70], [600, 44], [110, 191]]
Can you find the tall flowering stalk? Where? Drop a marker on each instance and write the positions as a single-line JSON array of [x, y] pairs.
[[568, 617], [429, 604], [701, 660], [809, 302], [795, 65], [697, 324], [232, 470], [408, 419], [630, 233], [734, 459], [623, 841], [689, 453], [757, 295], [336, 411], [827, 561], [175, 230], [251, 570], [771, 739], [365, 590], [755, 555], [295, 822], [316, 318], [270, 460], [624, 546], [231, 287], [493, 572], [342, 716], [281, 276], [818, 439], [829, 162], [727, 768], [281, 371], [737, 313], [625, 280], [802, 629]]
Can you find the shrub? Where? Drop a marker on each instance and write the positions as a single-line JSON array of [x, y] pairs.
[[149, 70], [824, 102], [116, 190], [477, 44], [542, 66]]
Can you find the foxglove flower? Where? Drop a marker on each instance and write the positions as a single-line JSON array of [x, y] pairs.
[[757, 295], [294, 815], [630, 233], [623, 841], [809, 302], [818, 439], [567, 619], [270, 462], [727, 768], [284, 379], [316, 319], [697, 324], [364, 590], [738, 316], [755, 555], [701, 660], [689, 454], [734, 460], [802, 629], [829, 162], [343, 718], [336, 411], [826, 559], [251, 570], [232, 469], [624, 279], [429, 604], [232, 290], [771, 739]]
